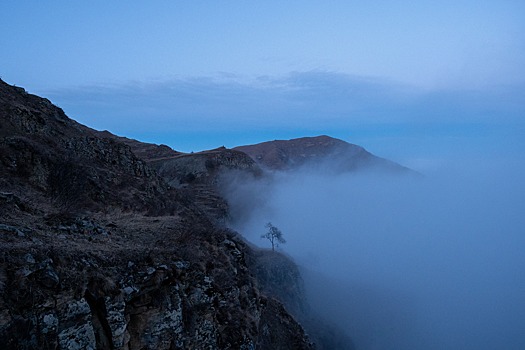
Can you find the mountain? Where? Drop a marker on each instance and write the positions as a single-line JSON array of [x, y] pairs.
[[105, 245], [321, 152]]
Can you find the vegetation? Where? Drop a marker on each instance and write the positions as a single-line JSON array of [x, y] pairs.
[[274, 235]]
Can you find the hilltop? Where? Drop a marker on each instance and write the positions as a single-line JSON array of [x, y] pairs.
[[316, 152]]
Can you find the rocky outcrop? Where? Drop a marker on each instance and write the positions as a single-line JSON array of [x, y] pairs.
[[79, 287], [199, 175], [279, 277], [45, 154]]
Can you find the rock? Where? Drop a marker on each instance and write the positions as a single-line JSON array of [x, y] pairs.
[[182, 264], [129, 290], [13, 229], [49, 278], [49, 323], [29, 258]]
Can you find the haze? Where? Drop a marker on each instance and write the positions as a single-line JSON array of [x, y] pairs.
[[399, 263]]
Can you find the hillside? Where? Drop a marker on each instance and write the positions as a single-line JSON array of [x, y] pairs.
[[52, 159], [196, 176], [99, 250], [321, 152]]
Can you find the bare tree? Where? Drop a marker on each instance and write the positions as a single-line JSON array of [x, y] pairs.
[[274, 235]]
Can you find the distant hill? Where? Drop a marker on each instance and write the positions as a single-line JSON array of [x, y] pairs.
[[316, 152]]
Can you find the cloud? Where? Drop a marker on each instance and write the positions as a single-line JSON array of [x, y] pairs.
[[404, 264], [229, 108], [316, 94]]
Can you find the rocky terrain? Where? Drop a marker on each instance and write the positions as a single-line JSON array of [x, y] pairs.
[[100, 249], [320, 152], [199, 175]]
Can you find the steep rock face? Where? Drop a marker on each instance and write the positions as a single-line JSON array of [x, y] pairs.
[[279, 277], [44, 153], [82, 267], [118, 286], [318, 152]]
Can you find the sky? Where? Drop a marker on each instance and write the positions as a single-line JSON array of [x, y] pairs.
[[412, 81]]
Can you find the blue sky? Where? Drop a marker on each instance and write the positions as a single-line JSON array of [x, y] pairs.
[[415, 82]]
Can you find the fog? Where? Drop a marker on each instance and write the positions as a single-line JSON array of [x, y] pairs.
[[433, 262]]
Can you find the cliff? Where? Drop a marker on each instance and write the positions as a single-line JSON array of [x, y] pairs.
[[49, 158], [100, 249]]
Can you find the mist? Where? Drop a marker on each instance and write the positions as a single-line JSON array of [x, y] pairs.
[[433, 262]]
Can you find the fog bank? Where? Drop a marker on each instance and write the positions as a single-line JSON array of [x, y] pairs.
[[404, 263]]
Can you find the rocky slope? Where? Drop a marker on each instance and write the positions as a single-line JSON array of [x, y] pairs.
[[46, 155], [197, 175], [321, 152], [97, 251], [145, 151]]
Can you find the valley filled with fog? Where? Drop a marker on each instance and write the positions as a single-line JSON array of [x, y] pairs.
[[403, 262]]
